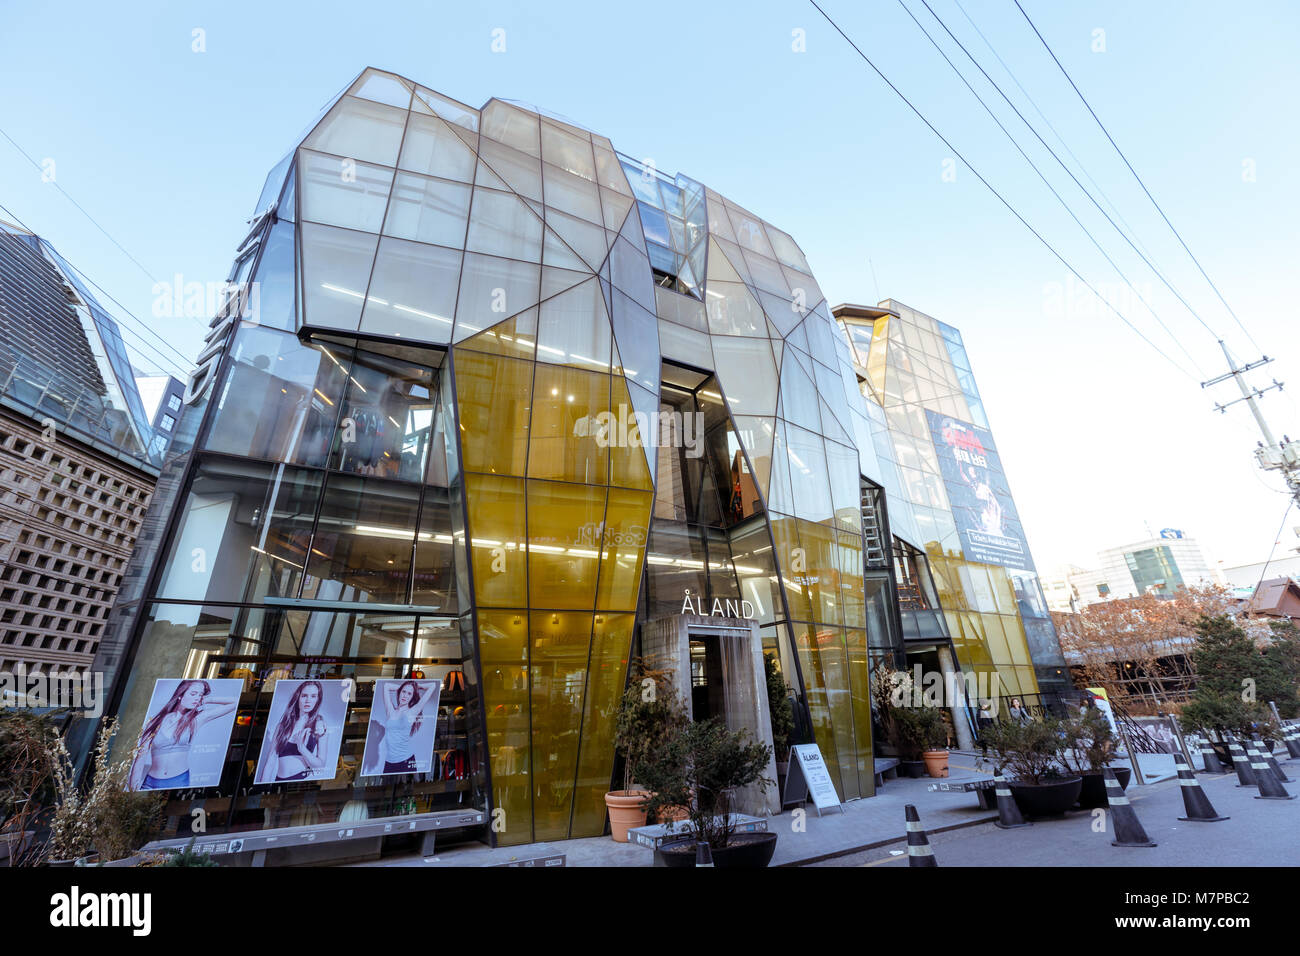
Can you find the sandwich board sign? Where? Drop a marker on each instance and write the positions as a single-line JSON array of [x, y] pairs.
[[809, 779]]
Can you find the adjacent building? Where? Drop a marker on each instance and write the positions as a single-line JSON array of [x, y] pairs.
[[1159, 566], [497, 404], [163, 397], [76, 469]]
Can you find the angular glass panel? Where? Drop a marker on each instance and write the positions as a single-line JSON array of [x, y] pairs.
[[382, 88], [627, 520], [569, 193], [556, 253], [564, 523], [627, 445], [515, 337], [453, 112], [790, 556], [674, 307], [494, 395], [335, 272], [497, 529], [555, 281], [654, 224], [518, 172], [845, 486], [501, 224], [385, 419], [253, 523], [808, 481], [492, 289], [719, 223], [749, 231], [361, 550], [615, 207], [685, 345], [611, 642], [630, 273], [747, 373], [432, 148], [560, 647], [802, 286], [849, 562], [428, 210], [646, 403], [786, 249], [343, 192], [609, 173], [360, 129], [503, 653], [574, 329], [275, 283], [568, 151], [756, 435], [586, 239], [733, 311], [412, 291], [565, 441], [512, 126], [433, 575], [636, 336]]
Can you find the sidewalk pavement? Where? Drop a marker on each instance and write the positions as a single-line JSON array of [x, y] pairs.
[[864, 824]]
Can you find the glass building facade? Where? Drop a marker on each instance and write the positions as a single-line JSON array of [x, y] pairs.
[[490, 398]]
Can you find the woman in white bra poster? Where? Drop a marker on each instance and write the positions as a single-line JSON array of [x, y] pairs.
[[403, 719], [186, 733]]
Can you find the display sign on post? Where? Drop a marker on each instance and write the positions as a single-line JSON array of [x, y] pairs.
[[809, 779]]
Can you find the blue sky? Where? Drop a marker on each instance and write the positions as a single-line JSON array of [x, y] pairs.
[[167, 148]]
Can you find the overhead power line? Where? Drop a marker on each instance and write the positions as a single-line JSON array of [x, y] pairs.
[[1032, 165], [1052, 249], [1102, 125]]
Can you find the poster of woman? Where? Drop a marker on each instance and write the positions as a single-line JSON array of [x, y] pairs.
[[186, 733], [304, 731], [403, 718]]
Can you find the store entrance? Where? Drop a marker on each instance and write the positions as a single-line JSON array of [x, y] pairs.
[[708, 690]]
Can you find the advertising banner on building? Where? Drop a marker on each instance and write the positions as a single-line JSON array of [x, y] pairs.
[[986, 516], [186, 732], [403, 718], [304, 731]]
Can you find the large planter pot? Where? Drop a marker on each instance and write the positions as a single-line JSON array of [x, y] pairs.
[[1046, 799], [1093, 792], [626, 810], [936, 762], [743, 851], [911, 768]]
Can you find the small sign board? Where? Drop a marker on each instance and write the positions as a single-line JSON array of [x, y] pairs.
[[809, 779]]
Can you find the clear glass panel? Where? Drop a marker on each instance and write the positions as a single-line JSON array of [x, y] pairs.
[[335, 272], [362, 547], [512, 126], [615, 207], [747, 373], [798, 394], [497, 530], [756, 435], [749, 231], [681, 309], [733, 311], [428, 210], [276, 280], [494, 395], [412, 291], [493, 289], [685, 345], [568, 151], [609, 173], [628, 464], [812, 495], [570, 193], [787, 251], [383, 88], [517, 171], [433, 578], [448, 109], [432, 148], [636, 338], [360, 129], [242, 533], [574, 329], [501, 224], [386, 419], [564, 526], [588, 240], [565, 441]]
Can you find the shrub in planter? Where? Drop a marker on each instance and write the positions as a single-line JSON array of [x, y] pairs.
[[650, 717], [1087, 748], [1030, 752], [701, 769], [779, 709], [27, 783]]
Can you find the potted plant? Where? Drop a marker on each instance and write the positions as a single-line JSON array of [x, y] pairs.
[[701, 769], [27, 786], [906, 730], [781, 712], [934, 738], [1030, 752], [650, 716], [1088, 747]]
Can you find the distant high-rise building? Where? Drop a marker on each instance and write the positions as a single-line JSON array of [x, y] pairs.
[[1159, 566], [76, 471], [163, 397]]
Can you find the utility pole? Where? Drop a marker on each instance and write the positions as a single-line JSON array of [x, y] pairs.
[[1271, 454]]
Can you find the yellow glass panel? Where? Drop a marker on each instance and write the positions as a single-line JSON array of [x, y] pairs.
[[503, 653], [625, 533], [1028, 680], [860, 699], [611, 641], [820, 696], [494, 394], [793, 563], [852, 594], [565, 442], [564, 533], [627, 457], [995, 639], [497, 533], [1017, 643], [516, 337], [823, 574], [1003, 590], [559, 647]]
